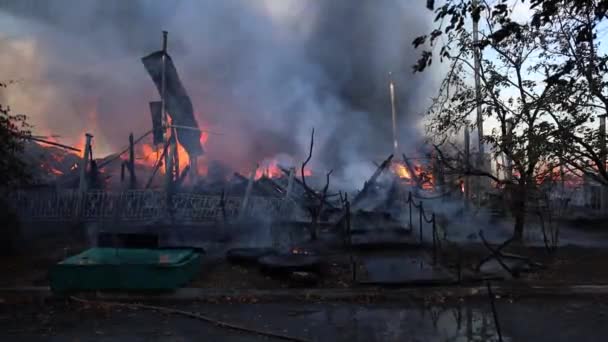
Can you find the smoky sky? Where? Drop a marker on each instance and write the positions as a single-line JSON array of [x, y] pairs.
[[262, 73]]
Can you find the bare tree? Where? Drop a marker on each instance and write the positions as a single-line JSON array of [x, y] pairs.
[[316, 202], [518, 95], [569, 33]]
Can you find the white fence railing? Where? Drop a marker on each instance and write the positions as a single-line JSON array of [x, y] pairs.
[[144, 205]]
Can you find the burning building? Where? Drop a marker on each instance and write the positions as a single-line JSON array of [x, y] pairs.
[[278, 69]]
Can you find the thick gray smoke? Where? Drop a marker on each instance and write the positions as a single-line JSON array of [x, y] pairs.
[[262, 73]]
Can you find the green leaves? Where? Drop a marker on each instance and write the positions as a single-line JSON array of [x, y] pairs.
[[13, 129]]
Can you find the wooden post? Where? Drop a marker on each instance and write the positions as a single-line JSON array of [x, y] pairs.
[[292, 172], [132, 180], [82, 187], [248, 192], [83, 164], [194, 169], [175, 155], [165, 119]]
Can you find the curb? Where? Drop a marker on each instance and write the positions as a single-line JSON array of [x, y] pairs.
[[30, 294]]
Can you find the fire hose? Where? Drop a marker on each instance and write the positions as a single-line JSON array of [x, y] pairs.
[[190, 314]]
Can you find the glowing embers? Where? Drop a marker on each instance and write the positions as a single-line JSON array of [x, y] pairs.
[[271, 168], [421, 175]]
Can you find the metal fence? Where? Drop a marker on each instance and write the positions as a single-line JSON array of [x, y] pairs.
[[144, 205]]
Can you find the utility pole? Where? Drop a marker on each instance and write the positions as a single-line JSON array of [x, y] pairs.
[[477, 64], [603, 155], [467, 167]]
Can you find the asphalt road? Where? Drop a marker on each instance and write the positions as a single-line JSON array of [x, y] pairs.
[[527, 320]]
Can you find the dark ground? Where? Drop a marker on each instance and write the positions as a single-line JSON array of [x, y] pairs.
[[521, 320], [567, 266], [560, 318]]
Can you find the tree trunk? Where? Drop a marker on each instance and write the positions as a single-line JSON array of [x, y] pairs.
[[519, 210], [518, 228], [313, 224], [313, 231]]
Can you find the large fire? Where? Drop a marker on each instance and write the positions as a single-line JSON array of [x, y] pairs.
[[150, 155]]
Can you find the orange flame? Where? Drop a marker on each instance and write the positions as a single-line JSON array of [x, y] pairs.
[[149, 155], [401, 171], [426, 179], [271, 169]]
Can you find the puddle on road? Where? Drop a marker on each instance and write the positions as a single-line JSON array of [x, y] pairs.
[[402, 269], [360, 323], [410, 321]]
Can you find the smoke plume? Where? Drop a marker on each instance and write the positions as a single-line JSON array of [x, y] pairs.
[[261, 73]]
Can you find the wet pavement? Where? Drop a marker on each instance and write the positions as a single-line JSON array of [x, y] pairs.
[[529, 320], [405, 268]]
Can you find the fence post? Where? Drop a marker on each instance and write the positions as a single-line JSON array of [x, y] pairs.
[[409, 201], [420, 213]]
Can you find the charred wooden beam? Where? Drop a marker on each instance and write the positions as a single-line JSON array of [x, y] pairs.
[[496, 254], [157, 166], [372, 180], [52, 143], [269, 187], [245, 202], [132, 180], [182, 177]]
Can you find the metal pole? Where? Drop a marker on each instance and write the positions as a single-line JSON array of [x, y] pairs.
[[394, 115]]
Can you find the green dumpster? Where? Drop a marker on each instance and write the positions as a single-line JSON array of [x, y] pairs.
[[125, 269]]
